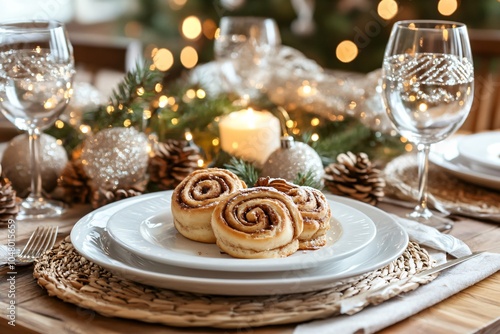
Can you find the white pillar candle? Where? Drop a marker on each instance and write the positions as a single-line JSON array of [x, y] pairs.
[[250, 135]]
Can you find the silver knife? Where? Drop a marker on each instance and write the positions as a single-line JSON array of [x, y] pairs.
[[375, 296]]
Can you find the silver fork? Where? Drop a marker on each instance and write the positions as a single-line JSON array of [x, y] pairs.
[[42, 239]]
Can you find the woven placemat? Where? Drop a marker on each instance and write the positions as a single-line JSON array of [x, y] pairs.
[[64, 273], [445, 190]]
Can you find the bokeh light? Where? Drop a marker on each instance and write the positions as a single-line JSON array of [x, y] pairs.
[[346, 51], [189, 57], [163, 59], [387, 9], [209, 28], [191, 27], [447, 7]]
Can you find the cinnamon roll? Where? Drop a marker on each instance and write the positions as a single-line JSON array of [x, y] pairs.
[[257, 223], [313, 207], [195, 198]]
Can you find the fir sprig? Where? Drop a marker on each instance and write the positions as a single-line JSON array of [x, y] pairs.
[[308, 179], [127, 101], [244, 170]]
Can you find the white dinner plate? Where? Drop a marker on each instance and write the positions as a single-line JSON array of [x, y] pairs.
[[146, 228], [91, 240], [482, 148], [445, 154]]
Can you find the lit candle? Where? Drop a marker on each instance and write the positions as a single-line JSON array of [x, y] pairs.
[[250, 135]]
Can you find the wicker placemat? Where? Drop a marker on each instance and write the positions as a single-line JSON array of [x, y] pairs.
[[64, 273], [451, 193]]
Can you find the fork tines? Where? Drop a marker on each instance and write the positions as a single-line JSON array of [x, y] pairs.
[[42, 239]]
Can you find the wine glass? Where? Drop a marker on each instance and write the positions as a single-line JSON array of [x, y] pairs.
[[243, 48], [428, 83], [36, 71]]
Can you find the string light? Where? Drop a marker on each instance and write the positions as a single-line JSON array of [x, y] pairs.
[[162, 101], [84, 128], [188, 135], [158, 87], [190, 94], [201, 94], [59, 124]]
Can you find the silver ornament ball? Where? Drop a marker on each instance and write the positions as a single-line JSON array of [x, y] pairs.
[[116, 157], [17, 167], [291, 159]]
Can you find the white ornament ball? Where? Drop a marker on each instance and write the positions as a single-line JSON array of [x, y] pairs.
[[116, 157], [17, 166], [291, 159]]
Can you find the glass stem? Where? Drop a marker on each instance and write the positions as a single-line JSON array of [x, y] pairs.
[[36, 177], [423, 173]]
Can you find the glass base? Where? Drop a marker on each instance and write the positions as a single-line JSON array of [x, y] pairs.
[[426, 217], [39, 208]]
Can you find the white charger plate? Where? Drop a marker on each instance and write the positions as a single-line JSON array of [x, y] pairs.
[[90, 239], [481, 148], [146, 228], [445, 154]]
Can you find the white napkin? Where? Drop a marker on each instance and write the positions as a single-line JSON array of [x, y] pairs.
[[449, 282], [430, 237]]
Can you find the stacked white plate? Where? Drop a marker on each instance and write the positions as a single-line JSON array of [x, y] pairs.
[[473, 158], [136, 239]]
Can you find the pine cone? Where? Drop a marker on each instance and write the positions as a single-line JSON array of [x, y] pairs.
[[75, 182], [101, 197], [354, 176], [172, 162], [8, 204]]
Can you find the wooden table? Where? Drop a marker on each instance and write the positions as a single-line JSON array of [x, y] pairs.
[[476, 309]]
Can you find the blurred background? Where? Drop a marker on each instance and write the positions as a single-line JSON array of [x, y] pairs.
[[176, 36], [337, 34]]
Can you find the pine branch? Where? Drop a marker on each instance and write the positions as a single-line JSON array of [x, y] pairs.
[[244, 170], [128, 100], [308, 179]]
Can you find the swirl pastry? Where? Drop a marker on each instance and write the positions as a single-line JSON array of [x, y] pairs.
[[313, 208], [257, 223], [195, 198]]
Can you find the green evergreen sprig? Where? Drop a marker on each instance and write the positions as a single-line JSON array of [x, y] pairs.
[[247, 172], [128, 100], [308, 179], [244, 170]]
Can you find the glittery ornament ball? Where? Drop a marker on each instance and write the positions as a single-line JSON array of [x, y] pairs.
[[116, 157], [288, 162], [17, 167]]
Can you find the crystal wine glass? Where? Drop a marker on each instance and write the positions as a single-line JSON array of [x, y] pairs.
[[36, 71], [428, 83], [243, 49]]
